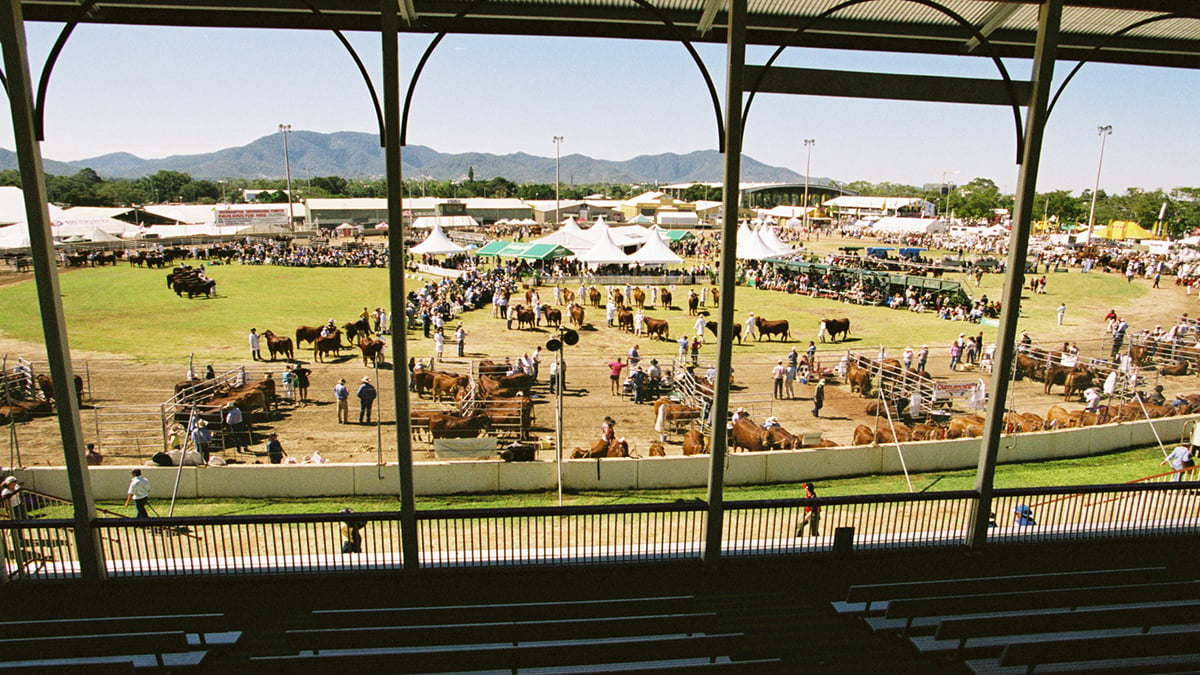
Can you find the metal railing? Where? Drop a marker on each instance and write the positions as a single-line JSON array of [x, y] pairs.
[[597, 535]]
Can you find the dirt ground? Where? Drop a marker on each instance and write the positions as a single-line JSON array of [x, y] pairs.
[[120, 391]]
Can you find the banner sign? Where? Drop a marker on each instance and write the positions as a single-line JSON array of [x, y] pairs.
[[247, 217], [948, 390]]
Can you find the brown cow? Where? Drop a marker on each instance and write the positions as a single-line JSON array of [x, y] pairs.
[[656, 449], [568, 296], [451, 426], [782, 439], [716, 331], [576, 313], [1175, 370], [965, 426], [618, 297], [833, 328], [863, 435], [372, 350], [1027, 366], [446, 384], [1057, 374], [859, 379], [768, 328], [525, 317], [693, 302], [552, 315], [327, 345], [716, 296], [594, 296], [664, 299], [307, 334], [1057, 417], [674, 415], [748, 435], [512, 413], [46, 385], [279, 345], [693, 443], [927, 432], [1076, 383], [617, 447], [639, 297], [657, 328], [625, 319]]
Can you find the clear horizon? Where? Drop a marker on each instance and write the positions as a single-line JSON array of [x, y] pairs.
[[156, 92]]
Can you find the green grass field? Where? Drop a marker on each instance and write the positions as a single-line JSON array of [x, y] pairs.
[[1116, 467], [130, 311]]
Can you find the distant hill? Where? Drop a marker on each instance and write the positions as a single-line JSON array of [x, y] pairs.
[[358, 155]]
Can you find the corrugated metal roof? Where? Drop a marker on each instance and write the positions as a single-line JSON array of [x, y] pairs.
[[880, 25]]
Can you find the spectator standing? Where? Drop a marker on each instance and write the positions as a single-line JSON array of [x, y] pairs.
[[366, 398], [235, 425], [607, 432], [634, 357], [701, 324], [255, 345], [818, 397], [460, 338], [510, 316], [93, 456], [614, 376], [811, 352], [793, 358], [10, 496], [1062, 311], [683, 346], [535, 362], [439, 345], [275, 452], [351, 533], [812, 514], [639, 384], [288, 380], [554, 376], [777, 374], [302, 382], [341, 394], [201, 438], [789, 382], [696, 342], [139, 493]]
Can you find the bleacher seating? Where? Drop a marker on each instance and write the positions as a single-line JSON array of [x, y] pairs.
[[113, 644], [635, 635], [1126, 620]]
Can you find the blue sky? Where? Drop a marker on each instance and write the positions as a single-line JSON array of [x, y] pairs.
[[162, 91]]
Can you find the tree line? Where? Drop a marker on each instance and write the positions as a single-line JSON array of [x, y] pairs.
[[977, 200]]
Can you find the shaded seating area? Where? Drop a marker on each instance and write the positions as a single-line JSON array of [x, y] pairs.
[[114, 644], [1119, 620], [631, 635]]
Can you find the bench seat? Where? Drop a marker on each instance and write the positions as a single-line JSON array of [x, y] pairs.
[[447, 614]]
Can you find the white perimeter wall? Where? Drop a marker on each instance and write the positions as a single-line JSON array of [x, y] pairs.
[[436, 478]]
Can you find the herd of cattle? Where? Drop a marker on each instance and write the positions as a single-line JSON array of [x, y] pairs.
[[21, 404], [211, 397], [326, 342], [498, 402], [190, 280]]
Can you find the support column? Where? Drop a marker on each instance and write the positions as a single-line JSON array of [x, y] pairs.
[[735, 67], [1049, 19], [400, 375], [45, 273]]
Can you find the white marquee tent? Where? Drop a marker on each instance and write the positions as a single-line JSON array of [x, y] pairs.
[[655, 252], [14, 237], [772, 240], [569, 236], [750, 246], [437, 243], [896, 225], [604, 252]]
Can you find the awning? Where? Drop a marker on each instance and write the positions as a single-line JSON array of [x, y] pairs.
[[523, 250]]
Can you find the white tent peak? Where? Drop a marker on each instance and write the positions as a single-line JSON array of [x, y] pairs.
[[605, 250], [655, 252], [437, 243]]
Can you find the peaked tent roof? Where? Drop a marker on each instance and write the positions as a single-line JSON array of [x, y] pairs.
[[750, 246], [605, 251], [772, 240], [14, 236], [569, 235], [437, 243], [655, 252]]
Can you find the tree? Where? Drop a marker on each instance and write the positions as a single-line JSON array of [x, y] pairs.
[[164, 186], [334, 186]]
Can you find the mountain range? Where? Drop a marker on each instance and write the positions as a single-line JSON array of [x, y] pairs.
[[353, 154]]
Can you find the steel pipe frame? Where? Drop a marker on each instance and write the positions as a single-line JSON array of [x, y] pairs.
[[45, 271]]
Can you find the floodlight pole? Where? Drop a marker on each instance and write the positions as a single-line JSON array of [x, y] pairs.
[[285, 129], [808, 144], [1104, 132], [557, 152], [946, 197]]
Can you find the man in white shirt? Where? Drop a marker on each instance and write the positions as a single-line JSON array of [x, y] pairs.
[[751, 326], [1179, 459], [139, 493], [255, 340]]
